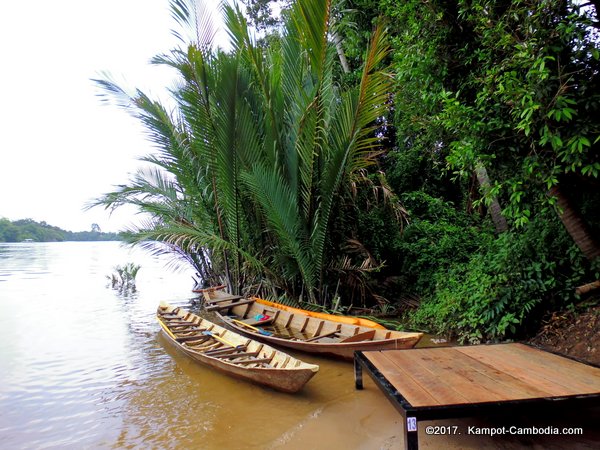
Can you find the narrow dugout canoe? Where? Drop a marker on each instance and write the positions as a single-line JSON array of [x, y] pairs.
[[298, 331], [231, 353], [319, 315], [213, 293]]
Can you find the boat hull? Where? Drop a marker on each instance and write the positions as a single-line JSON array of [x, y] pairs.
[[338, 350], [295, 329], [290, 377]]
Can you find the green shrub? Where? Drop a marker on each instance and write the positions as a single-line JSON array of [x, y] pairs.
[[438, 238], [493, 295]]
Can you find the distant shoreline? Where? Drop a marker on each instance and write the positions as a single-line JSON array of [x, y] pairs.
[[28, 230]]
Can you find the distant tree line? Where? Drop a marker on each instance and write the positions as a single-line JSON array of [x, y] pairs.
[[28, 229]]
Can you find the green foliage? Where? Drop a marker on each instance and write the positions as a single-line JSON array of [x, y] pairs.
[[411, 168], [514, 87], [265, 171], [494, 294], [530, 99], [261, 153], [437, 238], [27, 229]]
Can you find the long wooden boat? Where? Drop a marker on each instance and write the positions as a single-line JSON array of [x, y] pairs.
[[299, 331], [232, 353], [319, 315], [333, 317]]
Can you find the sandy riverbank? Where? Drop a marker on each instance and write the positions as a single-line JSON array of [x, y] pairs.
[[364, 422]]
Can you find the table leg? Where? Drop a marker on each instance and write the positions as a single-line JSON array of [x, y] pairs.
[[411, 435], [358, 381]]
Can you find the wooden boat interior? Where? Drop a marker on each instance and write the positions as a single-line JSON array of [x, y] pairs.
[[202, 337], [254, 316]]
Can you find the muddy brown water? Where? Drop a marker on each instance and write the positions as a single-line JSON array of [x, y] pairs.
[[84, 366]]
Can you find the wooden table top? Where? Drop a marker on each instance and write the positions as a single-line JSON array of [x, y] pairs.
[[482, 373]]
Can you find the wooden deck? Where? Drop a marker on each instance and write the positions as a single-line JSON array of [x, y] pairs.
[[446, 382]]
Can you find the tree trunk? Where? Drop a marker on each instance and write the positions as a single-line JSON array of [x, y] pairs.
[[494, 208], [575, 224], [340, 52]]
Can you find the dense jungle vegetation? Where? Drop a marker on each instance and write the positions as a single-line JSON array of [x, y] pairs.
[[28, 229], [437, 160]]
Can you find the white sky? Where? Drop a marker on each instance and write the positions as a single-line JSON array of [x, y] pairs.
[[59, 145]]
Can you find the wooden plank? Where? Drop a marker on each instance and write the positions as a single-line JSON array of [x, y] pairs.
[[315, 338], [305, 323], [169, 316], [229, 305], [402, 380], [565, 369], [247, 310], [435, 373], [209, 346], [475, 381], [181, 324], [224, 299], [319, 328], [225, 350], [196, 337], [252, 361], [502, 383], [364, 336], [235, 355], [287, 332], [289, 321], [537, 371]]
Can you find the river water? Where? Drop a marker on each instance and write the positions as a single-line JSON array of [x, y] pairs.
[[84, 366]]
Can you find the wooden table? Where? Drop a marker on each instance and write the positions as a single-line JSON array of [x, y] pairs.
[[449, 382]]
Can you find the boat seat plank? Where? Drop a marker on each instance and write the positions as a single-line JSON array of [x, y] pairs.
[[195, 337], [236, 355], [187, 330], [229, 305], [209, 346], [253, 361], [222, 350], [364, 336], [324, 335], [224, 299], [181, 324]]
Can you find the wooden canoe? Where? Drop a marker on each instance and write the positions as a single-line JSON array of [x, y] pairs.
[[299, 331], [319, 315], [232, 353], [335, 318]]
